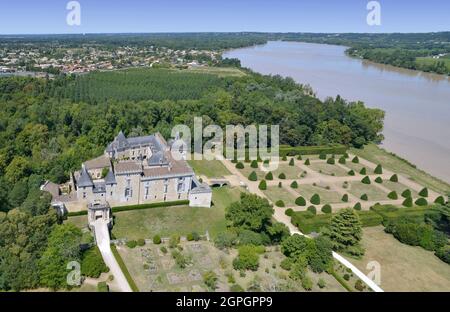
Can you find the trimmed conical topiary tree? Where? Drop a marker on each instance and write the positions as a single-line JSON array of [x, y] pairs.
[[282, 176], [326, 209], [315, 199], [253, 176], [291, 162], [307, 162], [280, 204], [424, 192], [408, 202], [240, 165], [440, 200], [345, 198], [346, 156], [269, 176], [300, 201], [366, 180], [299, 157], [357, 206], [254, 164], [363, 171], [364, 197], [312, 210], [379, 180], [331, 161], [262, 185], [393, 195], [323, 156], [284, 158], [294, 185], [378, 170], [342, 160], [421, 202], [406, 194], [394, 178], [355, 160], [351, 173]]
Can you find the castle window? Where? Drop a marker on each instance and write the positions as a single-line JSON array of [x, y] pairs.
[[165, 188], [84, 195]]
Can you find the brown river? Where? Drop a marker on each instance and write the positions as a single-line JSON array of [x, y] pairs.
[[417, 105]]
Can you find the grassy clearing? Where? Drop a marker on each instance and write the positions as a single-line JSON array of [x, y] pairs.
[[79, 221], [389, 161], [327, 169], [326, 196], [176, 220], [209, 168], [280, 193], [403, 268], [358, 188]]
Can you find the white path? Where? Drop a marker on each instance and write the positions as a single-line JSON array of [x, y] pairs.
[[104, 244], [280, 216]]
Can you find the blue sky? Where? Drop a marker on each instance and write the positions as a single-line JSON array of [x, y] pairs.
[[102, 16]]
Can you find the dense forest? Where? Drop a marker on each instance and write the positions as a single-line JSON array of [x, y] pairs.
[[49, 127]]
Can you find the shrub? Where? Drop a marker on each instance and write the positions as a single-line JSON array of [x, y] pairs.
[[342, 160], [102, 287], [253, 176], [394, 178], [189, 237], [321, 283], [236, 288], [315, 199], [291, 162], [393, 195], [269, 176], [408, 202], [312, 210], [322, 156], [225, 239], [156, 240], [347, 277], [280, 203], [240, 165], [163, 249], [357, 206], [289, 212], [331, 161], [440, 200], [294, 185], [307, 162], [346, 155], [174, 240], [247, 259], [326, 209], [355, 160], [282, 176], [262, 185], [424, 192], [359, 285], [210, 280], [299, 157], [307, 283], [443, 253], [284, 158], [378, 170], [366, 180], [421, 202], [180, 260], [92, 264], [379, 180], [364, 197], [131, 244], [406, 193], [351, 173], [363, 171], [300, 201], [286, 264], [254, 164], [140, 242], [345, 198]]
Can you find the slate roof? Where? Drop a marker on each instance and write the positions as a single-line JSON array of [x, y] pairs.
[[85, 179], [199, 188], [110, 178], [98, 163], [127, 167], [121, 143]]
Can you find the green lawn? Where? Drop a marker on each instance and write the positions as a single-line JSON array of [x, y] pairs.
[[328, 169], [326, 196], [291, 172], [358, 188], [78, 221], [280, 193], [176, 220], [209, 168], [377, 155]]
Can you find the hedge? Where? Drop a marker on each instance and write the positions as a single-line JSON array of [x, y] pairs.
[[315, 199], [269, 176], [351, 173], [357, 206], [262, 185], [393, 195], [313, 150], [421, 202], [326, 208], [345, 198], [300, 201], [391, 212], [150, 205], [378, 170], [406, 193], [363, 171], [77, 213], [355, 160], [408, 202], [280, 203], [364, 197], [124, 269], [366, 180], [294, 185], [252, 176], [394, 178], [331, 161], [282, 176], [424, 192], [312, 210], [379, 180]]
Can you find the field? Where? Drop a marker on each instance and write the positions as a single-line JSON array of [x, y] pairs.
[[210, 169], [379, 156], [431, 61], [154, 270], [403, 268], [180, 220]]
